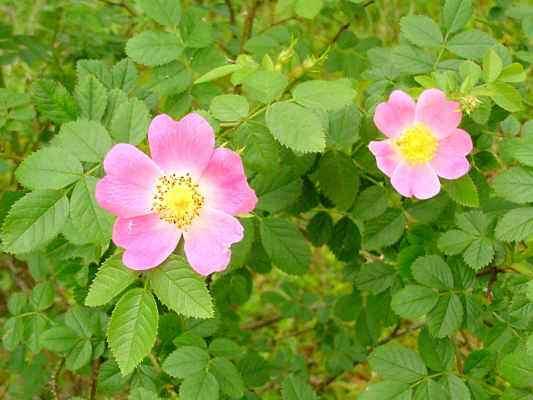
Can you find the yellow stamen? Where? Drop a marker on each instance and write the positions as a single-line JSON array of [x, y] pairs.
[[177, 200], [417, 144]]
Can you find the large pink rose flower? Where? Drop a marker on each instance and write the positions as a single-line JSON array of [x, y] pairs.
[[187, 189], [424, 142]]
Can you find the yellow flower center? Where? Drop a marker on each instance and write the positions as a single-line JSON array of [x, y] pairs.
[[177, 200], [417, 144]]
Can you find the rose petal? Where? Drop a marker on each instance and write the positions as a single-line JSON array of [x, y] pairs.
[[438, 113], [450, 166], [386, 157], [393, 116], [147, 239], [183, 146], [224, 184], [401, 179], [458, 143], [424, 181], [208, 240]]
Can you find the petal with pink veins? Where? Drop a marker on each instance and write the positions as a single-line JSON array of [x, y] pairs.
[[458, 143], [434, 110], [208, 240], [183, 146], [393, 116], [401, 179], [147, 240], [224, 184], [424, 181]]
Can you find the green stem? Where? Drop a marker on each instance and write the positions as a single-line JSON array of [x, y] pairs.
[[523, 268]]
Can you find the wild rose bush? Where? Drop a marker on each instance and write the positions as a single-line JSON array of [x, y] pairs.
[[259, 199]]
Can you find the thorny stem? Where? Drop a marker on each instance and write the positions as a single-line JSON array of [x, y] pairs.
[[53, 382], [231, 10], [94, 378], [249, 23]]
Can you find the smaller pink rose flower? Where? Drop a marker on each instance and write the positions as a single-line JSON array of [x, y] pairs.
[[424, 142], [186, 189]]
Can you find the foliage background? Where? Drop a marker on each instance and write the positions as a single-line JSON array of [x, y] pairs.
[[340, 289]]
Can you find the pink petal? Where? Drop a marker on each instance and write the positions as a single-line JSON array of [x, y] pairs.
[[401, 179], [127, 188], [393, 116], [208, 240], [458, 143], [438, 113], [386, 157], [147, 239], [183, 146], [424, 182], [224, 184], [450, 166]]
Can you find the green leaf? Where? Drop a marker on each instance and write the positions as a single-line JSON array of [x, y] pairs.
[[171, 79], [457, 389], [326, 95], [474, 222], [181, 289], [296, 127], [202, 386], [447, 317], [124, 75], [338, 179], [320, 228], [80, 355], [371, 203], [86, 140], [165, 12], [229, 107], [397, 363], [13, 333], [228, 376], [348, 307], [515, 225], [520, 149], [513, 73], [515, 185], [345, 242], [479, 253], [95, 223], [53, 101], [517, 368], [462, 191], [185, 361], [456, 14], [59, 339], [438, 354], [218, 73], [433, 272], [492, 66], [506, 96], [42, 296], [430, 390], [375, 277], [130, 122], [140, 393], [49, 168], [222, 347], [385, 230], [96, 68], [411, 60], [110, 280], [454, 242], [92, 98], [264, 86], [295, 388], [285, 245], [471, 44], [414, 301], [388, 390], [343, 129], [153, 48], [308, 8], [421, 31], [34, 220], [132, 329], [79, 319]]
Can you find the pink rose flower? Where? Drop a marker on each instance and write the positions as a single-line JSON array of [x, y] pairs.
[[188, 188], [423, 143]]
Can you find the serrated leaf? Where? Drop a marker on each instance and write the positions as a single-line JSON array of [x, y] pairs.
[[344, 125], [165, 12], [53, 101], [506, 96], [479, 253], [471, 44], [285, 245], [264, 86], [228, 376], [91, 96], [80, 355], [411, 60], [181, 289], [59, 339], [218, 72], [327, 95], [456, 14], [397, 363], [371, 203], [132, 329], [385, 230], [49, 168], [86, 140], [454, 242], [345, 242], [110, 280], [130, 122], [95, 223], [462, 191], [96, 68], [338, 179], [515, 225], [229, 107], [433, 272], [438, 354], [294, 388], [185, 361], [421, 31], [517, 368], [124, 75], [33, 220], [515, 185], [153, 48], [446, 317], [430, 390], [42, 296], [492, 66], [387, 390], [375, 277], [202, 386], [414, 301]]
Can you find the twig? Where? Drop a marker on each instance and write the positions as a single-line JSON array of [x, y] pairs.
[[249, 23], [94, 378], [122, 5], [55, 377], [231, 10], [261, 324]]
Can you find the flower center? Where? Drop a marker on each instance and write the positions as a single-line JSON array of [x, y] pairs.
[[177, 200], [417, 144]]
